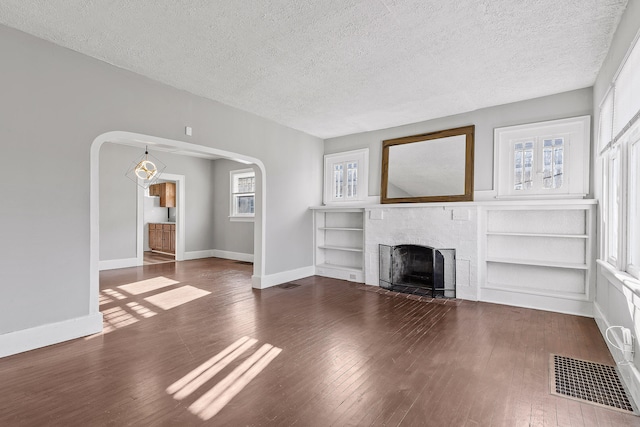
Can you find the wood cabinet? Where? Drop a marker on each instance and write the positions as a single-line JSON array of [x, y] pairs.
[[167, 193], [162, 237]]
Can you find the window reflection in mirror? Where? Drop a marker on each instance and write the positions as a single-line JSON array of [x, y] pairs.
[[434, 167]]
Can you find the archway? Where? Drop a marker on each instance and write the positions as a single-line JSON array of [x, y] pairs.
[[177, 147]]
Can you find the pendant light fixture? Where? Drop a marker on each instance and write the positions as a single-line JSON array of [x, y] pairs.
[[145, 170]]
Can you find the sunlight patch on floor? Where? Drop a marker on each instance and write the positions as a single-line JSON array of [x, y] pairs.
[[148, 285], [141, 310], [203, 373], [103, 299], [133, 311], [110, 295], [216, 398], [116, 318], [176, 297]]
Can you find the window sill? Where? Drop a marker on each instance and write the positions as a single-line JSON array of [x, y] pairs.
[[242, 219], [621, 277]]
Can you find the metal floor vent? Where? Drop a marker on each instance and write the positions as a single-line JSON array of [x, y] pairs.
[[588, 382], [288, 285]]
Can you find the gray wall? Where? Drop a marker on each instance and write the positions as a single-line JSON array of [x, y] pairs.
[[54, 103], [568, 104], [228, 235], [118, 200]]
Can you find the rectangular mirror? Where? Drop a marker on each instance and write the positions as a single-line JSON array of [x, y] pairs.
[[432, 167]]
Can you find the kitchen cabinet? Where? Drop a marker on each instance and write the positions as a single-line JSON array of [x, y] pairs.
[[162, 237], [167, 193]]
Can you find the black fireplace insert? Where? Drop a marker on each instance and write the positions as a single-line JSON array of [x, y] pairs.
[[420, 270]]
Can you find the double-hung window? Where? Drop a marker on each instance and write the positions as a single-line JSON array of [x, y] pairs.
[[243, 195], [345, 176]]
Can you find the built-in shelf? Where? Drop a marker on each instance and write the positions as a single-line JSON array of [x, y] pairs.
[[573, 265], [339, 267], [545, 292], [340, 248], [339, 243], [571, 236], [340, 229], [540, 254]]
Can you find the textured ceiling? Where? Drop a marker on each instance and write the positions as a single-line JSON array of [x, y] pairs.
[[336, 67]]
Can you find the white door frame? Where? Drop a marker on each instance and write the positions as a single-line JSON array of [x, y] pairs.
[[180, 216], [180, 147]]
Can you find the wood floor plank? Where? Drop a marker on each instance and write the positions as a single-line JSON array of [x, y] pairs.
[[349, 357]]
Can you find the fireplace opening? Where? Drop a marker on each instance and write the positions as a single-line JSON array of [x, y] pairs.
[[420, 270]]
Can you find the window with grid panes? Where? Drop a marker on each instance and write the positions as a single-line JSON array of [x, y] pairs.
[[533, 160], [243, 187], [346, 176]]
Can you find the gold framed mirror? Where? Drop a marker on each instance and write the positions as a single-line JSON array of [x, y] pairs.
[[431, 167]]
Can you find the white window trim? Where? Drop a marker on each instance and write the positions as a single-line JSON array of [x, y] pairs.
[[362, 157], [234, 217], [632, 189], [577, 134], [606, 104], [614, 181]]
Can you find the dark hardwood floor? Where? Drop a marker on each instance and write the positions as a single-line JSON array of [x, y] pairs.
[[190, 343], [157, 258]]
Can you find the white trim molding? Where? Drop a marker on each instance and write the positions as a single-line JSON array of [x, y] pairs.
[[628, 372], [208, 253], [361, 157], [236, 256], [282, 277], [217, 253], [52, 333], [112, 264]]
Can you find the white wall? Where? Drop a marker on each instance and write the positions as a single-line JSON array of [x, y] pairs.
[[54, 103], [568, 104], [615, 303], [228, 235]]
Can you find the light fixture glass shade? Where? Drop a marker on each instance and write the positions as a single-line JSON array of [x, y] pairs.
[[145, 170]]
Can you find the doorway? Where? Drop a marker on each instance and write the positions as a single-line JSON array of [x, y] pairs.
[[160, 223]]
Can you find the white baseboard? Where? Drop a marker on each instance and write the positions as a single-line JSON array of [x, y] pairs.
[[283, 277], [112, 264], [539, 302], [629, 373], [236, 256], [198, 254], [52, 333], [218, 253]]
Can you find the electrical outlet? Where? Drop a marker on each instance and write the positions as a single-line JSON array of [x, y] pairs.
[[352, 276]]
